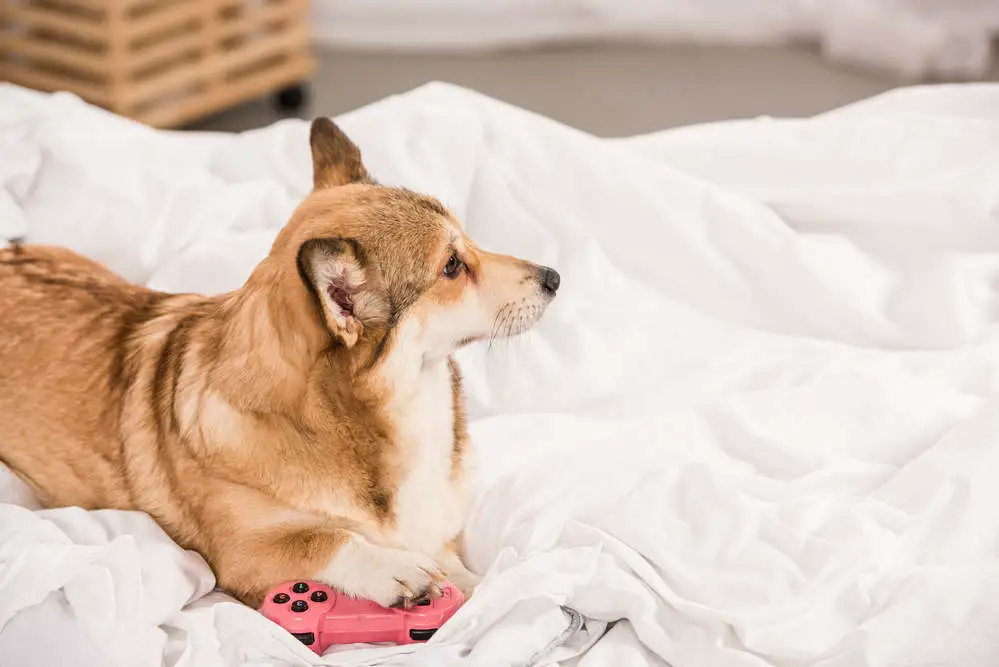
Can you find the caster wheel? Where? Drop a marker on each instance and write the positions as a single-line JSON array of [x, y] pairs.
[[291, 99]]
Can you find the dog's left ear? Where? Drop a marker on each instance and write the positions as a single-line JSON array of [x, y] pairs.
[[335, 158], [333, 270]]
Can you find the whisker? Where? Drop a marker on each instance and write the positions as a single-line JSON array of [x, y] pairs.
[[498, 323], [511, 321]]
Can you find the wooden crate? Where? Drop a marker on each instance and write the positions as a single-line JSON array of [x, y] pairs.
[[161, 62]]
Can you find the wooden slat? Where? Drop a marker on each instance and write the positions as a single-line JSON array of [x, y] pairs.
[[95, 6], [182, 12], [162, 51], [161, 84], [130, 5], [86, 10], [35, 17], [54, 53], [226, 5], [117, 52], [261, 17], [209, 41], [32, 78], [268, 80], [293, 39]]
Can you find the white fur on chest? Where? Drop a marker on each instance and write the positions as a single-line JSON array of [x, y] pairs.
[[429, 502]]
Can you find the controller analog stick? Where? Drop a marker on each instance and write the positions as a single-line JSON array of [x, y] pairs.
[[299, 605]]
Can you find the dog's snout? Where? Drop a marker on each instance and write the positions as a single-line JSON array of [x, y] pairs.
[[550, 280]]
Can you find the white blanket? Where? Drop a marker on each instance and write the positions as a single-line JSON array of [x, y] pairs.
[[759, 425]]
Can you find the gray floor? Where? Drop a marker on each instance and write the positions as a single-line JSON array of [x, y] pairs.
[[608, 90]]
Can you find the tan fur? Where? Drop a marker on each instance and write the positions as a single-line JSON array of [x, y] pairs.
[[276, 429]]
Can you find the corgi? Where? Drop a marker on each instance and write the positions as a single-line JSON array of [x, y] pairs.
[[308, 425]]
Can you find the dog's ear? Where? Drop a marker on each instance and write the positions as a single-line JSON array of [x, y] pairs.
[[335, 158], [334, 271]]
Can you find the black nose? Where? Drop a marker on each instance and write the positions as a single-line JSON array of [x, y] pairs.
[[550, 280]]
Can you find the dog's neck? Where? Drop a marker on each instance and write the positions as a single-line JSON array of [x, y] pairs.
[[274, 351], [404, 368], [267, 344]]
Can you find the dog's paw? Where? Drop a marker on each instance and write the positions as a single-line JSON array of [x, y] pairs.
[[390, 577], [465, 581], [457, 572]]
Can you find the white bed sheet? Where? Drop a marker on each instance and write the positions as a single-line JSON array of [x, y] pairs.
[[758, 426]]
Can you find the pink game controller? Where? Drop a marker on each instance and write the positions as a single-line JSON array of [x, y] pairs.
[[318, 616]]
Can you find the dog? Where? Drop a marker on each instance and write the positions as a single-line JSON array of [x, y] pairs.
[[308, 425]]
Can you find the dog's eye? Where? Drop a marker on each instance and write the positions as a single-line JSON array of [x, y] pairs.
[[453, 267]]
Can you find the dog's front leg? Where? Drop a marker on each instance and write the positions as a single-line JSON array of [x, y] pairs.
[[451, 561], [252, 565], [390, 577]]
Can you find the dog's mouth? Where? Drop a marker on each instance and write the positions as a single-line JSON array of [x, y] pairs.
[[518, 317]]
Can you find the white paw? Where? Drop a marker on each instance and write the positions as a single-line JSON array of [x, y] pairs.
[[457, 573], [386, 576], [464, 581]]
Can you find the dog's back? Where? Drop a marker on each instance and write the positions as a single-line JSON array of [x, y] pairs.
[[60, 313]]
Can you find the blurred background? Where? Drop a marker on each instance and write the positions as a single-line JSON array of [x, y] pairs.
[[622, 67], [609, 67]]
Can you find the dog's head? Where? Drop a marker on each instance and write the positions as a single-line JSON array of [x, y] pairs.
[[382, 263]]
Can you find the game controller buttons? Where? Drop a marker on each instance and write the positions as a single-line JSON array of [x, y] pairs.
[[300, 587], [299, 606], [318, 596], [281, 598]]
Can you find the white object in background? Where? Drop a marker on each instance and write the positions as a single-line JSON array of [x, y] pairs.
[[911, 38], [905, 41]]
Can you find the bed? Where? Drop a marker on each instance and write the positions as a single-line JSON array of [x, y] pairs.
[[759, 426]]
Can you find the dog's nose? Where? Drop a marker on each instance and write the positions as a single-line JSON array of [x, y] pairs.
[[550, 280]]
